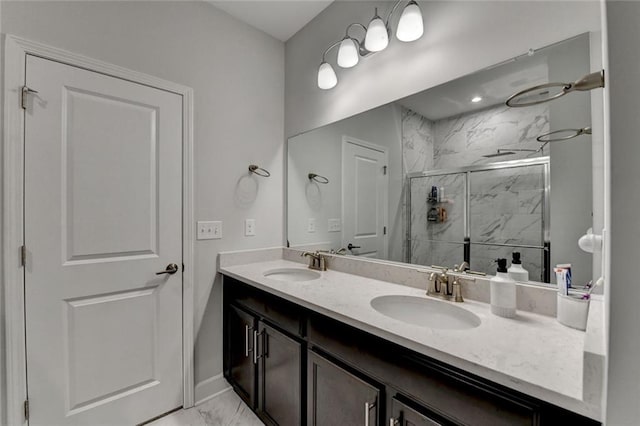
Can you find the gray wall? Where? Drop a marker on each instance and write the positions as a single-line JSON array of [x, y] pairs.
[[460, 37], [622, 287], [237, 74], [320, 151]]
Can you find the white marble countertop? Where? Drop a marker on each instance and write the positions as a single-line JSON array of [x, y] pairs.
[[533, 354]]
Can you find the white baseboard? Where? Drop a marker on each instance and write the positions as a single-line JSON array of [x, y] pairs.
[[210, 388]]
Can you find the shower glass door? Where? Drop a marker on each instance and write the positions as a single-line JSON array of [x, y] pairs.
[[481, 213], [507, 213]]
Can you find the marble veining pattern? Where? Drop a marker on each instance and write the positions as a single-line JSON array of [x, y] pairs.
[[551, 371], [225, 409], [506, 205], [465, 139], [417, 142]]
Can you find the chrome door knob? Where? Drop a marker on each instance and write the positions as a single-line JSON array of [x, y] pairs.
[[171, 269]]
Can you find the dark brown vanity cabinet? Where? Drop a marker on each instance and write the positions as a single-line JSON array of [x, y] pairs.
[[264, 366], [339, 397], [239, 353], [294, 366], [280, 377]]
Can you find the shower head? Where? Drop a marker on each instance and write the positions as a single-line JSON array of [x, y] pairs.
[[499, 153]]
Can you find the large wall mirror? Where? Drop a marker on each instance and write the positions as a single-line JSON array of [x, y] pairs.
[[453, 173]]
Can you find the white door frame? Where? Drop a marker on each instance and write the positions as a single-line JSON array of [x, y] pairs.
[[16, 51], [355, 141]]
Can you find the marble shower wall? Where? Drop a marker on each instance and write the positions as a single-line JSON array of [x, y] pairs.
[[506, 205], [417, 142], [417, 155], [463, 140]]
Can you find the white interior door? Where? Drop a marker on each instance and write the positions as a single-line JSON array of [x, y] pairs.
[[364, 199], [103, 179]]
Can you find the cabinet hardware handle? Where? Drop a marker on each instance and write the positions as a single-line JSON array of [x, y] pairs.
[[246, 340], [263, 352], [368, 406], [255, 346]]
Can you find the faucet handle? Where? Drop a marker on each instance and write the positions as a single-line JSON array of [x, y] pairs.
[[457, 290], [457, 287]]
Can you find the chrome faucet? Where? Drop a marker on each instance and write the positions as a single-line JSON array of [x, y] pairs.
[[464, 266], [439, 284], [317, 260]]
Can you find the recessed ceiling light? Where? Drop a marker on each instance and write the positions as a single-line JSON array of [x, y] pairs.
[[476, 99]]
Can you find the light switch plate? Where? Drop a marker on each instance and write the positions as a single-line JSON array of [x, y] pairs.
[[311, 225], [249, 227], [209, 230], [334, 225]]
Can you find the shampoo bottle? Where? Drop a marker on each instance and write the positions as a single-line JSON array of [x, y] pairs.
[[503, 292], [516, 271]]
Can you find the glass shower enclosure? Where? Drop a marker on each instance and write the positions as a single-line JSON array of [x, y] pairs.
[[480, 213]]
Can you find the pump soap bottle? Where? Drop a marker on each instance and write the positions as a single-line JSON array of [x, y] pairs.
[[516, 271], [503, 292]]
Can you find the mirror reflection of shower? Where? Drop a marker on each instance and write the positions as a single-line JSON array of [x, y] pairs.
[[503, 152]]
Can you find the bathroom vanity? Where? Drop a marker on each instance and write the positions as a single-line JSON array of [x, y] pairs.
[[319, 350]]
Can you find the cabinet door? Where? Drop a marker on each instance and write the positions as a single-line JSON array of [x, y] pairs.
[[337, 397], [241, 337], [403, 415], [280, 377]]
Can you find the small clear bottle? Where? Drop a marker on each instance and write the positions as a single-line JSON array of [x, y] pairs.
[[503, 292]]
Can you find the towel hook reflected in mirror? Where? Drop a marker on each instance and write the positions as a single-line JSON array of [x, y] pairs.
[[259, 171], [317, 178], [546, 92], [563, 135]]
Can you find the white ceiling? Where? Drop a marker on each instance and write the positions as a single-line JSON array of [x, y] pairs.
[[494, 85], [280, 19]]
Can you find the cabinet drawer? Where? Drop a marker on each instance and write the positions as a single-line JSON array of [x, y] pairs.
[[286, 315]]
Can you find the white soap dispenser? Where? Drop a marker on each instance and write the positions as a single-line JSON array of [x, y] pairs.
[[516, 271], [503, 292]]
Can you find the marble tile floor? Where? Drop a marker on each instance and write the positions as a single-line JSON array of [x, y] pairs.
[[225, 409]]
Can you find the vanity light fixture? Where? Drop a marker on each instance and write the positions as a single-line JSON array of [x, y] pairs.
[[376, 38], [327, 78]]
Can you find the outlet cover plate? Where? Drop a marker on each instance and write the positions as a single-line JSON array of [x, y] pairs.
[[249, 227], [311, 225]]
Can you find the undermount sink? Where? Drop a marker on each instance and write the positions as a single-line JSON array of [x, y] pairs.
[[292, 274], [425, 312]]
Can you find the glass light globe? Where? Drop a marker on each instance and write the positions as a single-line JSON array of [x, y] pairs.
[[327, 78], [376, 38], [410, 26], [348, 53]]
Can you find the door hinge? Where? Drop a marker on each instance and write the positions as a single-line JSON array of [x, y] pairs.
[[384, 170], [26, 409], [25, 92], [23, 255], [384, 230]]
